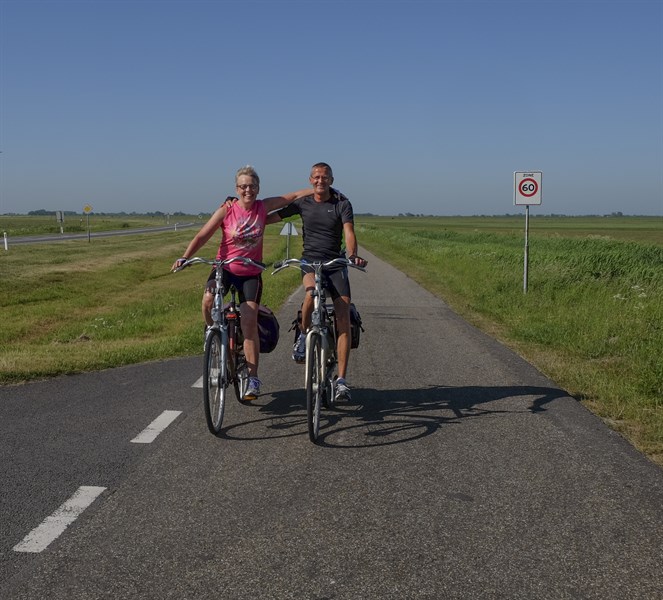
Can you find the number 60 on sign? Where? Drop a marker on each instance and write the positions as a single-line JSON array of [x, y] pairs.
[[527, 187]]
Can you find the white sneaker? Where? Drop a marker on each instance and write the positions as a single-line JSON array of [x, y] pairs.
[[299, 349], [342, 390], [253, 390]]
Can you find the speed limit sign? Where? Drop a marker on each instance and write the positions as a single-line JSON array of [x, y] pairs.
[[527, 188]]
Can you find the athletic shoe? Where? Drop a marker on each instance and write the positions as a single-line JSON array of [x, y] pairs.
[[299, 349], [253, 391], [342, 390]]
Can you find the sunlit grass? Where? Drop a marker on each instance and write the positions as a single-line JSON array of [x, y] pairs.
[[77, 306]]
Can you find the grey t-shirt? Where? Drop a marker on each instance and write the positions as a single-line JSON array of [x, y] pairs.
[[322, 224]]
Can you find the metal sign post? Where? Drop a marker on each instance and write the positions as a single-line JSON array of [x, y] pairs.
[[87, 209], [526, 191], [288, 229]]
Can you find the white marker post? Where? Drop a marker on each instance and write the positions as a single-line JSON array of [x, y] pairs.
[[288, 229], [6, 247], [526, 191]]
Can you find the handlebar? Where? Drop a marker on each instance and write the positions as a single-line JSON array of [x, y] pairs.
[[219, 263], [291, 262]]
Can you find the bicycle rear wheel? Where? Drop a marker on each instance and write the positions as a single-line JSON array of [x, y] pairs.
[[314, 385], [215, 380]]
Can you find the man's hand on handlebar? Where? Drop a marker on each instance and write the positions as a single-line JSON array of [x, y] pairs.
[[357, 260]]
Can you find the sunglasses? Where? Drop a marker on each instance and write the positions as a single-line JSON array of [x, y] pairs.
[[247, 186]]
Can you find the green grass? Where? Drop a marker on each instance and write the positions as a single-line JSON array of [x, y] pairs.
[[592, 317], [76, 306]]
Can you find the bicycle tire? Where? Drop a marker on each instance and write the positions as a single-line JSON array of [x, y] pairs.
[[314, 387], [215, 380]]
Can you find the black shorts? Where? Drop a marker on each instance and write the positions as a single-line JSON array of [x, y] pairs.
[[249, 287], [335, 280]]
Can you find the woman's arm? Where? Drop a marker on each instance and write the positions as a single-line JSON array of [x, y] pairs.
[[204, 235], [277, 202]]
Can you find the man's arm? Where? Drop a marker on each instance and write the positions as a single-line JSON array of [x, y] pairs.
[[351, 244]]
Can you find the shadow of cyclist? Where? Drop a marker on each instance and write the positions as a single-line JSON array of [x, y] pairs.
[[384, 417]]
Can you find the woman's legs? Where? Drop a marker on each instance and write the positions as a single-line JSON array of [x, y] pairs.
[[249, 312]]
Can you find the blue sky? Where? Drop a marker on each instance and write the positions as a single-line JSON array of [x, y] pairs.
[[425, 107]]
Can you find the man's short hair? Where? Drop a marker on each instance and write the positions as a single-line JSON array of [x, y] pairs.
[[323, 165]]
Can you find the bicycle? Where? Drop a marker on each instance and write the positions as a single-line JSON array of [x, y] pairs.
[[224, 363], [321, 359]]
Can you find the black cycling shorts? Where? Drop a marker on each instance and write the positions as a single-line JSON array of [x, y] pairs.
[[335, 280], [249, 287]]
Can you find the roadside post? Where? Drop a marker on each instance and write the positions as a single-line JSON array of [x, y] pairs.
[[288, 229], [526, 191], [6, 247], [59, 217], [87, 209]]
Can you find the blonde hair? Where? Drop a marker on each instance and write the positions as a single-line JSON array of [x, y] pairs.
[[247, 170]]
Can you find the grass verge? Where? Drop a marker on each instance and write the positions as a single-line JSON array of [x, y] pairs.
[[591, 320]]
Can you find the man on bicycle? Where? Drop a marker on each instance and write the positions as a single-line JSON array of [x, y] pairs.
[[326, 218]]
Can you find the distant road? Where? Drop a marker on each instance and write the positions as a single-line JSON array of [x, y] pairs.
[[32, 239]]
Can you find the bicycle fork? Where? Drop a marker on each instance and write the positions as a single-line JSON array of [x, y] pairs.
[[325, 367]]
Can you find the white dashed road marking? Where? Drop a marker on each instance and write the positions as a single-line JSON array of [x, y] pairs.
[[150, 433], [199, 383], [52, 527]]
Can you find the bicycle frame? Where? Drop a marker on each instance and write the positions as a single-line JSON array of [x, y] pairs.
[[224, 362], [321, 337], [325, 327]]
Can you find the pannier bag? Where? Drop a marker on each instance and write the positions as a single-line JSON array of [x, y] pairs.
[[268, 329], [355, 324]]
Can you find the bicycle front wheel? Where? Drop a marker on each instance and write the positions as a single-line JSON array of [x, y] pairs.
[[215, 380], [314, 385]]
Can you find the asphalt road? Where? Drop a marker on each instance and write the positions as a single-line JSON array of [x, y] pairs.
[[39, 239], [458, 471]]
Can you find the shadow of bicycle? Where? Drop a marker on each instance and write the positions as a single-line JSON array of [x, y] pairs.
[[385, 417]]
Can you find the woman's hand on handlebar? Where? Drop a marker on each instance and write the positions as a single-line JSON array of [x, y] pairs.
[[179, 264]]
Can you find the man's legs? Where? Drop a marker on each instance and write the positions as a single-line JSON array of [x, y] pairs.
[[299, 349], [342, 310]]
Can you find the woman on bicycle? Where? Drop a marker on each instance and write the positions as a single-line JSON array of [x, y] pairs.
[[242, 222]]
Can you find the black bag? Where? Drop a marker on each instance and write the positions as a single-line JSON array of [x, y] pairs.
[[268, 329], [355, 326]]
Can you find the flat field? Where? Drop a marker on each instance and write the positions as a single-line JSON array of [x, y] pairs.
[[592, 317]]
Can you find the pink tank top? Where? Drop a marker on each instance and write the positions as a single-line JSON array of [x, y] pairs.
[[242, 236]]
